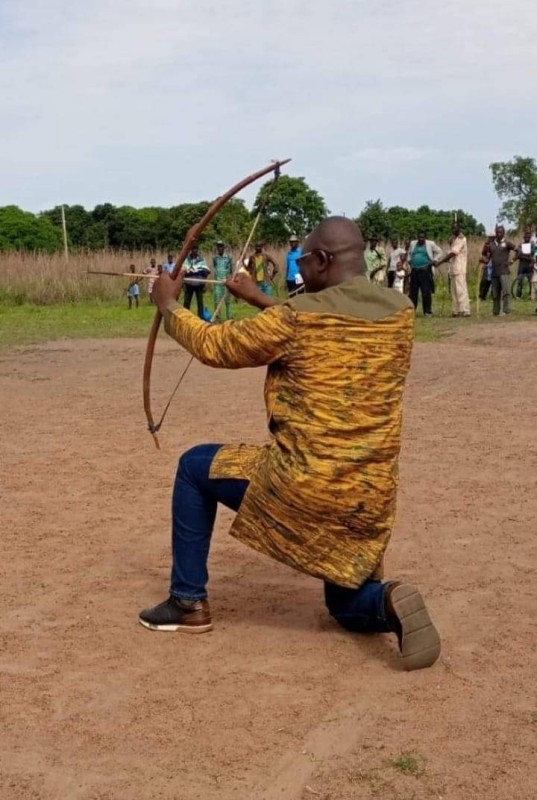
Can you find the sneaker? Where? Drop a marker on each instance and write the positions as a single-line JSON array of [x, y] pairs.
[[428, 314], [189, 616], [419, 641]]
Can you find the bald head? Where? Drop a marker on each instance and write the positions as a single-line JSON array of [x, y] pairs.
[[337, 254]]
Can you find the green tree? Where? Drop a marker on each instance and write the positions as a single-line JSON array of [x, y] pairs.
[[77, 220], [405, 223], [289, 206], [373, 221], [515, 182], [22, 230], [231, 224]]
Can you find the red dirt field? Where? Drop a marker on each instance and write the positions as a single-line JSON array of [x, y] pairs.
[[276, 703]]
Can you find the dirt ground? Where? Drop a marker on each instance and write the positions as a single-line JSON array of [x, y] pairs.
[[276, 703]]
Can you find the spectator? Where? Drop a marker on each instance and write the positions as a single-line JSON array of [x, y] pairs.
[[500, 250], [170, 264], [422, 256], [151, 270], [525, 254], [394, 260], [458, 258], [406, 264], [375, 261], [400, 274], [133, 290], [534, 284], [263, 269], [195, 267], [486, 273], [292, 273], [223, 269]]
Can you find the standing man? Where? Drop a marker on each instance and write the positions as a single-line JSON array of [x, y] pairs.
[[375, 261], [500, 260], [394, 261], [486, 268], [263, 269], [169, 265], [194, 267], [525, 254], [422, 256], [223, 270], [321, 495], [293, 277], [458, 258]]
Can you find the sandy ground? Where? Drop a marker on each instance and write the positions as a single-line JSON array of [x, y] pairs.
[[276, 703]]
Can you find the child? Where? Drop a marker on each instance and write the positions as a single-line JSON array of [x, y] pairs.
[[155, 271], [133, 290], [400, 275]]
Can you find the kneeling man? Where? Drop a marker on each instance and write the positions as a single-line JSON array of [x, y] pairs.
[[321, 496]]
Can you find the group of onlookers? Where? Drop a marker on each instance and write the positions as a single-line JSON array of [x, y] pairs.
[[259, 264], [411, 269], [497, 255]]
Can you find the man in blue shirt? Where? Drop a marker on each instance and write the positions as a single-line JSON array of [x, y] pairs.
[[293, 268], [422, 257]]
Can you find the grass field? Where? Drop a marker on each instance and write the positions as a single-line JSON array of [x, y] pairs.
[[46, 298], [31, 323]]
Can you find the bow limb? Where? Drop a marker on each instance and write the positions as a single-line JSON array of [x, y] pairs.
[[193, 234]]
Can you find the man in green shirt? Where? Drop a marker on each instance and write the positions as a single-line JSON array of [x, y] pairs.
[[223, 270], [422, 257]]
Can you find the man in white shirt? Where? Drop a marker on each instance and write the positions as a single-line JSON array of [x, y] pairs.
[[458, 258]]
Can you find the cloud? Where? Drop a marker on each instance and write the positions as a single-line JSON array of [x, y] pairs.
[[160, 101]]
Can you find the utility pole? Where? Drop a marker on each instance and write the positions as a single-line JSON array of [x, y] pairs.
[[64, 228]]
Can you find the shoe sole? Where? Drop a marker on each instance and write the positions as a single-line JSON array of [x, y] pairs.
[[420, 644], [181, 628]]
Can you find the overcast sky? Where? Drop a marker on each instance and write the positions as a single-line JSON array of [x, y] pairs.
[[158, 102]]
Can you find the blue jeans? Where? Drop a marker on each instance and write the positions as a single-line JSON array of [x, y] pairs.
[[195, 498]]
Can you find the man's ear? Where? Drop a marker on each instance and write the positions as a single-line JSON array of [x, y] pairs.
[[324, 258]]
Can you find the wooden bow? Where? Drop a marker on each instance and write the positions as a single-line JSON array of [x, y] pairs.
[[192, 236]]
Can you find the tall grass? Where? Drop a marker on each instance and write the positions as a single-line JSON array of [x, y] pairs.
[[47, 279], [43, 279]]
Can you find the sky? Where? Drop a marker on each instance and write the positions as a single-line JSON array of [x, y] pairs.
[[159, 102]]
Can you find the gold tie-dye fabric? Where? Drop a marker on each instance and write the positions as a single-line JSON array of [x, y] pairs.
[[322, 494]]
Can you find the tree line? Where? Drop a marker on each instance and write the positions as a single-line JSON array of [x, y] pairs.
[[288, 206]]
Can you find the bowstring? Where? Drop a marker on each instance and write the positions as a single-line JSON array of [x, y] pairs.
[[238, 265]]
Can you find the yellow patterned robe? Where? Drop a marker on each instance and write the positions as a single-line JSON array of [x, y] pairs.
[[322, 494]]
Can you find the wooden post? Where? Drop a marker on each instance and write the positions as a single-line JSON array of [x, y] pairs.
[[64, 228]]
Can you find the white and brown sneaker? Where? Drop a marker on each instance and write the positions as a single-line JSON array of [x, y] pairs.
[[188, 616], [419, 641]]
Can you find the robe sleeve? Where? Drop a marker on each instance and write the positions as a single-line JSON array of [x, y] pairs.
[[252, 342]]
